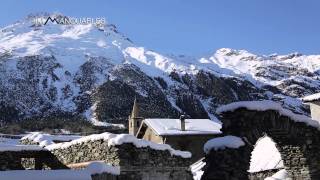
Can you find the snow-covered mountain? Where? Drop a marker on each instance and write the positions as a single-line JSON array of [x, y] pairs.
[[96, 72]]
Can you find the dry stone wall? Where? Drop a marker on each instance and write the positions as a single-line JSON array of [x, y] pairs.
[[227, 164], [298, 143], [135, 163], [29, 159], [28, 142], [263, 174]]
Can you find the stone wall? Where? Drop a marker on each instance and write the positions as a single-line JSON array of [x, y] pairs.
[[191, 143], [135, 163], [262, 174], [298, 143], [227, 164], [29, 159], [28, 142]]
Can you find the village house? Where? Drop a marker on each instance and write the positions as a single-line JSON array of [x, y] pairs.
[[183, 134], [314, 102]]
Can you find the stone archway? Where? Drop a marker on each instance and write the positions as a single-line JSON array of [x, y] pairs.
[[265, 158], [297, 142]]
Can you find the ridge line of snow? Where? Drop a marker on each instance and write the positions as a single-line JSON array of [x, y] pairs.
[[221, 143], [47, 139], [268, 105], [312, 97], [11, 147], [118, 139]]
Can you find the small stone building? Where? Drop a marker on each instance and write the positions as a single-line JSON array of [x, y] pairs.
[[314, 102], [183, 134]]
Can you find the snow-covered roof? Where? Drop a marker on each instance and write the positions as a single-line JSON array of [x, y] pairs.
[[313, 97], [118, 139], [192, 126], [101, 167], [268, 105], [47, 139], [222, 143]]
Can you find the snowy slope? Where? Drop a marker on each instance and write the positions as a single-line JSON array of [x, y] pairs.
[[249, 65], [70, 42]]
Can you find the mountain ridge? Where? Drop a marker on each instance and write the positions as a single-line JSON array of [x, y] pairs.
[[96, 71]]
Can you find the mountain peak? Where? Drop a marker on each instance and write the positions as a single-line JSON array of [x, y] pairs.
[[233, 52], [25, 38], [67, 64]]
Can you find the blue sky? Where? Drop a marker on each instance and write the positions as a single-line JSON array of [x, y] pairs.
[[194, 27]]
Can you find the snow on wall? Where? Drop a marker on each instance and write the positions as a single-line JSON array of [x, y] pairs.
[[85, 174], [280, 175], [11, 147], [101, 167], [313, 97], [268, 105], [118, 139], [9, 141], [47, 139], [222, 143], [196, 169]]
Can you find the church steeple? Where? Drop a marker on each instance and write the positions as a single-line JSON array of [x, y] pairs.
[[134, 119], [135, 109]]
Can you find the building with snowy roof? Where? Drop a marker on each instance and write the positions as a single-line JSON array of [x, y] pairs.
[[314, 102], [183, 134]]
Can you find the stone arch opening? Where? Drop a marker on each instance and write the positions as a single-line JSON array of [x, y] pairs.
[[298, 143], [265, 156]]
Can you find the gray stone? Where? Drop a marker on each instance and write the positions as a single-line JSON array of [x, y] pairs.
[[298, 144]]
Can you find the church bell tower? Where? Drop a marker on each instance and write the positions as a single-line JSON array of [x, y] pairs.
[[134, 119]]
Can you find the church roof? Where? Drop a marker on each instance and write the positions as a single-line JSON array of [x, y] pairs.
[[193, 126]]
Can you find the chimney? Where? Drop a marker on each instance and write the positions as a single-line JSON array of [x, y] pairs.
[[182, 122]]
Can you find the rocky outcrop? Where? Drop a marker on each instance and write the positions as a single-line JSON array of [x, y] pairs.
[[114, 99]]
